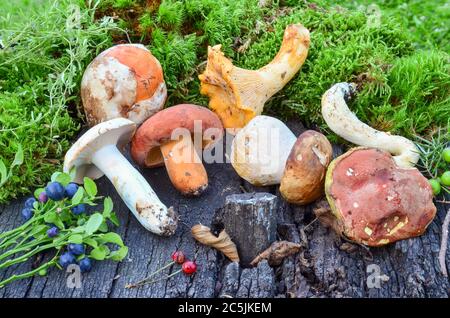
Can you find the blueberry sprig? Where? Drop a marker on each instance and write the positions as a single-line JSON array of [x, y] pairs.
[[56, 221]]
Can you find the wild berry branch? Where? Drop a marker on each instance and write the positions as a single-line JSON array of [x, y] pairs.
[[56, 221]]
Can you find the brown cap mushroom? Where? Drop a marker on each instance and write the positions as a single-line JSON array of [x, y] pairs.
[[152, 145], [124, 81], [374, 201], [306, 166]]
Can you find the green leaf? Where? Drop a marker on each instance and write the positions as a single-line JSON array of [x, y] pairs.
[[91, 242], [3, 173], [78, 196], [38, 229], [76, 239], [90, 187], [18, 158], [98, 253], [107, 207], [38, 191], [103, 227], [73, 173], [63, 178], [114, 219], [94, 223], [53, 217], [55, 175], [119, 255], [111, 237]]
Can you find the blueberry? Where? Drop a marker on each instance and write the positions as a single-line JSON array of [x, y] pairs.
[[52, 232], [78, 209], [29, 202], [43, 197], [76, 249], [85, 265], [66, 259], [27, 214], [55, 191], [71, 189]]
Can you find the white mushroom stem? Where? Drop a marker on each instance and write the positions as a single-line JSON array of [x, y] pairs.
[[135, 191], [344, 122]]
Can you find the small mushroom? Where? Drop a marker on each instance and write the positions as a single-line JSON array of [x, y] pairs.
[[154, 144], [237, 95], [376, 202], [259, 150], [345, 123], [97, 153], [306, 166], [125, 80]]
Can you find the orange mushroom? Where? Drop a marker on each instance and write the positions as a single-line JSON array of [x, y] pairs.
[[124, 81], [154, 144]]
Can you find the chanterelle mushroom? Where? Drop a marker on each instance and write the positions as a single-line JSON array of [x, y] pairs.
[[343, 122], [97, 153], [125, 80], [260, 150], [153, 144], [376, 202], [237, 95], [306, 166]]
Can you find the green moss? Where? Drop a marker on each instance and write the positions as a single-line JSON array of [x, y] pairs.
[[41, 64]]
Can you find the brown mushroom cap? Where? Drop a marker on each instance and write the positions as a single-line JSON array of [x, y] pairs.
[[374, 201], [157, 130], [306, 166]]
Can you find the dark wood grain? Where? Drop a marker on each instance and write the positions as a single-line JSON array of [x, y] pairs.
[[327, 266]]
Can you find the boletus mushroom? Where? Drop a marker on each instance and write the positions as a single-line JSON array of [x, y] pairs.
[[304, 175], [125, 80], [344, 123], [259, 150], [376, 202], [97, 152], [237, 95], [166, 139]]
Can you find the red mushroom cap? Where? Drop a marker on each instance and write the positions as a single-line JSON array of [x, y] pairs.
[[374, 201], [157, 130]]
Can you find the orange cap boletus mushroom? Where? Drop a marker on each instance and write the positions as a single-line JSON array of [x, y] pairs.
[[376, 202], [236, 94], [304, 175], [125, 80], [155, 143]]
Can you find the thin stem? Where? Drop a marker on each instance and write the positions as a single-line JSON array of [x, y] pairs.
[[443, 249], [143, 281]]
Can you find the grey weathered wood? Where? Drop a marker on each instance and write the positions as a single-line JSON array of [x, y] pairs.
[[250, 220], [327, 266]]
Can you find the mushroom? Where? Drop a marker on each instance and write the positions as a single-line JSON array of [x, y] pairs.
[[123, 81], [306, 166], [259, 150], [97, 152], [155, 144], [345, 123], [237, 95], [376, 202]]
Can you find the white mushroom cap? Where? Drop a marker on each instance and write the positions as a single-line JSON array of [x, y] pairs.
[[260, 150], [117, 131]]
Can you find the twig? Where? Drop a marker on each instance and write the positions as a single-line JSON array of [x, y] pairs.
[[444, 241]]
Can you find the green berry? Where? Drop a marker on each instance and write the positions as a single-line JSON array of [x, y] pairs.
[[445, 178], [435, 186], [42, 272], [446, 154]]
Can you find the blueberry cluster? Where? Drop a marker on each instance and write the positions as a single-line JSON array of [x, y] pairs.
[[54, 191], [70, 257]]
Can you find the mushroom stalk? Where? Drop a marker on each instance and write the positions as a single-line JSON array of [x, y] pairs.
[[134, 191], [344, 122], [236, 94], [184, 167]]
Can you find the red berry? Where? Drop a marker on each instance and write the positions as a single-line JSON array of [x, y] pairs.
[[189, 267], [178, 257]]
